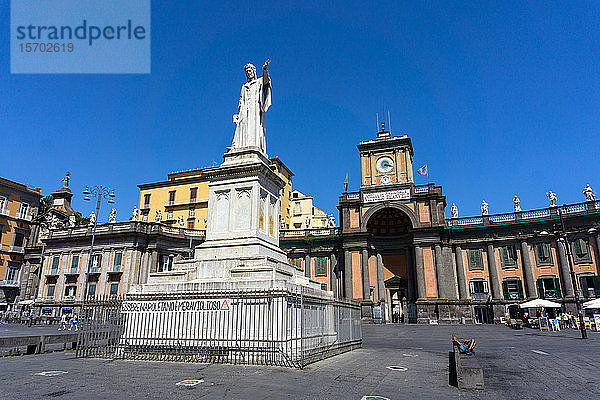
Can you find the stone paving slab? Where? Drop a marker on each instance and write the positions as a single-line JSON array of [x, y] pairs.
[[567, 370]]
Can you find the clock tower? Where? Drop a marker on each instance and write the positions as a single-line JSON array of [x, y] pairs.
[[386, 160]]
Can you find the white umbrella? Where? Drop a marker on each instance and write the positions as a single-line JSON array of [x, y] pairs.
[[540, 303], [592, 304]]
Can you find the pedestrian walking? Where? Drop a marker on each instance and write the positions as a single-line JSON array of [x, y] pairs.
[[74, 323], [63, 323]]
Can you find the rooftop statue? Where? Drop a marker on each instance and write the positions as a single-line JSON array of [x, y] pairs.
[[589, 193], [454, 211], [484, 208], [552, 197], [66, 180], [517, 203], [255, 99]]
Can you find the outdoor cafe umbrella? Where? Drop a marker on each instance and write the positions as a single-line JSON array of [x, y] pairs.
[[540, 303], [592, 304]]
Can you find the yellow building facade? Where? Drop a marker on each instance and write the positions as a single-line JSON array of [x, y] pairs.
[[182, 200]]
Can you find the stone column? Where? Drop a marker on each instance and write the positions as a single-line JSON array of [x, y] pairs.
[[493, 272], [410, 266], [365, 274], [565, 272], [307, 266], [153, 261], [420, 268], [461, 276], [348, 274], [528, 270], [447, 274], [439, 272], [598, 254], [380, 281], [332, 275]]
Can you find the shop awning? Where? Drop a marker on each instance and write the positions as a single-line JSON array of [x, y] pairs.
[[540, 303], [592, 304]]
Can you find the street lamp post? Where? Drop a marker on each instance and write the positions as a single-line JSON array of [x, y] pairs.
[[99, 192], [573, 280]]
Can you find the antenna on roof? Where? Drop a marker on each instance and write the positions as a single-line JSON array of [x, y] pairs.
[[377, 126], [390, 122]]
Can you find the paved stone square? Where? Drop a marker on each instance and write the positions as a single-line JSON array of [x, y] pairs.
[[517, 364]]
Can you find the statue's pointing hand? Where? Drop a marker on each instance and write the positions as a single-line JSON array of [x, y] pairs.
[[266, 64]]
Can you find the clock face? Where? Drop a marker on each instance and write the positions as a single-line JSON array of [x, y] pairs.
[[385, 164]]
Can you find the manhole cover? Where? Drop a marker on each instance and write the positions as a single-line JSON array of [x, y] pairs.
[[374, 398], [51, 373], [189, 382], [397, 368]]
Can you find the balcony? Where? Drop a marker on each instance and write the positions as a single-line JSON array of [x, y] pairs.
[[5, 212], [10, 283], [24, 216], [72, 272], [145, 207], [52, 272], [479, 296], [95, 270], [17, 249], [300, 233], [117, 269], [187, 202]]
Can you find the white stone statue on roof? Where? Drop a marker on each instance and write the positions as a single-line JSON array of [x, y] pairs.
[[552, 197], [589, 193], [454, 211], [113, 216], [484, 208], [255, 99], [135, 214], [92, 218], [517, 203]]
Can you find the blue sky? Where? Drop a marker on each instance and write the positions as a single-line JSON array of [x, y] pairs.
[[498, 98]]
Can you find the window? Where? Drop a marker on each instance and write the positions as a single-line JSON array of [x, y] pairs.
[[75, 264], [297, 209], [549, 288], [54, 267], [70, 290], [169, 215], [581, 250], [2, 204], [478, 287], [513, 289], [171, 197], [114, 289], [50, 290], [191, 224], [117, 264], [296, 262], [192, 212], [91, 289], [96, 263], [475, 258], [543, 254], [508, 255], [12, 273], [146, 201], [165, 264], [23, 210], [19, 239], [321, 266], [590, 286], [193, 194]]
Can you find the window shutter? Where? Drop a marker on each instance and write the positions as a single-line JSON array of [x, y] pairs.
[[546, 251], [505, 290], [583, 285], [485, 287], [557, 287], [520, 289], [597, 286], [479, 258], [540, 285], [472, 287]]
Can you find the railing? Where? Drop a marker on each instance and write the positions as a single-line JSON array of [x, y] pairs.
[[531, 215], [17, 249], [5, 212], [116, 269], [52, 272], [266, 327], [72, 271], [479, 296], [95, 270], [25, 217], [10, 282], [132, 226], [185, 202], [299, 233], [421, 189]]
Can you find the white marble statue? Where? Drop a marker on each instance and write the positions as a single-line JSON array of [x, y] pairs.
[[589, 193], [112, 218], [181, 222], [72, 221], [454, 211], [92, 218], [158, 216], [517, 204], [135, 214], [255, 99], [484, 208], [331, 221], [552, 197]]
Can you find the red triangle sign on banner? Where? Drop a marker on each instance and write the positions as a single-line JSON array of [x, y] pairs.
[[224, 306]]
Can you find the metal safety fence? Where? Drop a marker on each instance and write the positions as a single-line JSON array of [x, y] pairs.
[[262, 327]]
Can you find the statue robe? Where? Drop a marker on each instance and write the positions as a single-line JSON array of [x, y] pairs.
[[255, 100]]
